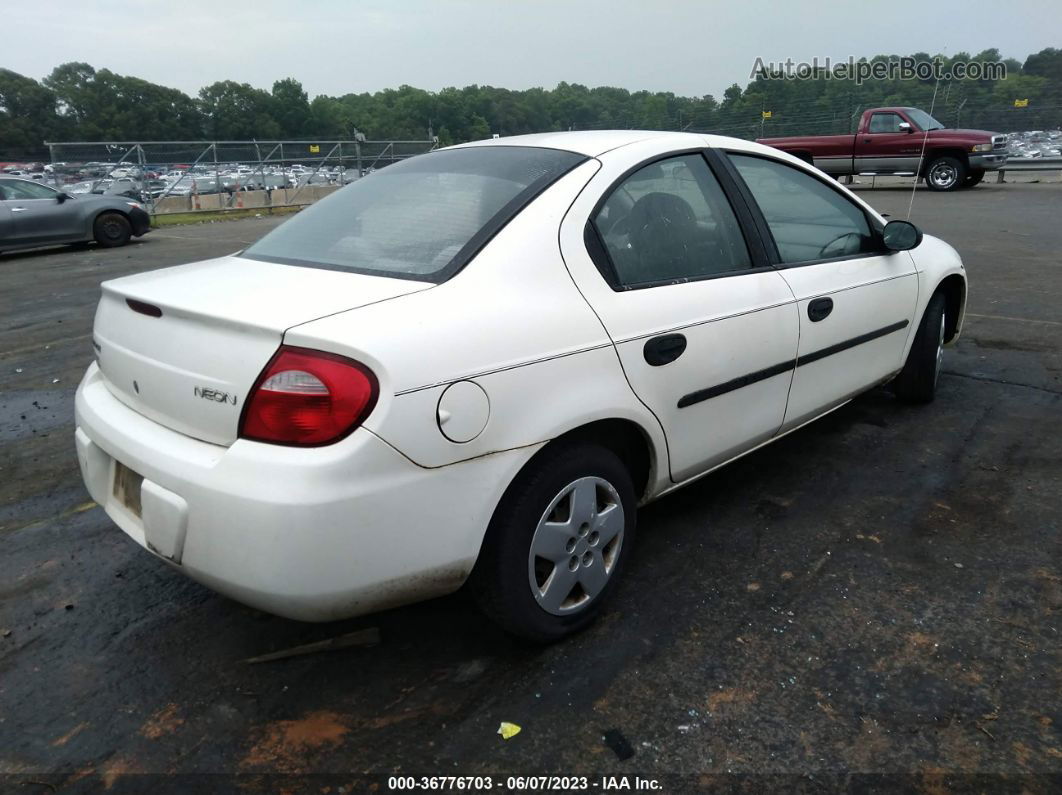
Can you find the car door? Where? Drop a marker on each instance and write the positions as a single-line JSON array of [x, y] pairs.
[[37, 215], [5, 220], [705, 329], [856, 300], [885, 148]]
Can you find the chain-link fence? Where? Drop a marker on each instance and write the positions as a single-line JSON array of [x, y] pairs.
[[190, 176], [839, 121], [187, 176], [840, 118]]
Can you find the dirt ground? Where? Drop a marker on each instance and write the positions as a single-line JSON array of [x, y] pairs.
[[873, 600]]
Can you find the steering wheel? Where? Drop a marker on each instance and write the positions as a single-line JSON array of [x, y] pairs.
[[837, 242]]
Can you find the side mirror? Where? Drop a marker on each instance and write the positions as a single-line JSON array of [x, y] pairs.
[[62, 197], [906, 127], [901, 236]]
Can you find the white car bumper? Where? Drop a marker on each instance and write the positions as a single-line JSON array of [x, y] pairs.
[[312, 534]]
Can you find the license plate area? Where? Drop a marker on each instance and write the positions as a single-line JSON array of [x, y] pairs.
[[126, 489]]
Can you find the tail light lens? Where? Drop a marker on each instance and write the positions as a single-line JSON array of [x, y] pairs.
[[308, 398]]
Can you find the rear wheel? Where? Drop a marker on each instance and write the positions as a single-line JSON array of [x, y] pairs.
[[917, 382], [973, 177], [945, 173], [111, 230], [557, 542]]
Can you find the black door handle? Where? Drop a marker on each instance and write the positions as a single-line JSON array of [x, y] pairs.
[[819, 309], [664, 349]]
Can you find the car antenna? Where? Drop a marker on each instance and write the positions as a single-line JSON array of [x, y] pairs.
[[922, 154]]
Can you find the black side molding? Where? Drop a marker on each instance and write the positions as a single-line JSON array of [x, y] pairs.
[[783, 367], [808, 358], [737, 383]]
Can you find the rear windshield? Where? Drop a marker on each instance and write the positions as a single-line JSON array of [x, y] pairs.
[[422, 218]]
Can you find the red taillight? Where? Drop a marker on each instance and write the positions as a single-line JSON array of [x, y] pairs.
[[308, 398]]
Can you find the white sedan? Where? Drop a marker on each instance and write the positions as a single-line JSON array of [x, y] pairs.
[[474, 365]]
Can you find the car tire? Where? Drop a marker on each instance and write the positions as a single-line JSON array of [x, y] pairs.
[[557, 507], [917, 381], [945, 173], [974, 177], [112, 230]]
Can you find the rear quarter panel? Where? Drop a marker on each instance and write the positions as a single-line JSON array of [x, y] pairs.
[[512, 322]]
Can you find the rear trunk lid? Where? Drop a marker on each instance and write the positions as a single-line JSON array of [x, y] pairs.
[[183, 346]]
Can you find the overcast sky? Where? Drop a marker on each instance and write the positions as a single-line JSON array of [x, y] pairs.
[[341, 46]]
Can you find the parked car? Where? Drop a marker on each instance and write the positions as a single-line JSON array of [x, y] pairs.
[[32, 214], [475, 364], [904, 142]]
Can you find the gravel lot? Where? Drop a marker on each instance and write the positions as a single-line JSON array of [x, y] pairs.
[[877, 594]]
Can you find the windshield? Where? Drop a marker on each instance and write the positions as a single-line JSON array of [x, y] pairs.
[[923, 120], [422, 218]]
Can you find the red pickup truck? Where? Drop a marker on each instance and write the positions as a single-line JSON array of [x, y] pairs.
[[904, 142]]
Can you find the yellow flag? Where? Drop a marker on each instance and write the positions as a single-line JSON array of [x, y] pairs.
[[766, 114]]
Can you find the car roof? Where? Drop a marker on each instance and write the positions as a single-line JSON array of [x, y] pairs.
[[593, 143]]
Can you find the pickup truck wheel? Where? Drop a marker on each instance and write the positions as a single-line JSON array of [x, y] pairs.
[[557, 542], [917, 381], [973, 177], [112, 230], [945, 173]]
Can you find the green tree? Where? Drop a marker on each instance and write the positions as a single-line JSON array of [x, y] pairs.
[[291, 109], [27, 114], [237, 111]]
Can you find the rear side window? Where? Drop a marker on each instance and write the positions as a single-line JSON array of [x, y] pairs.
[[670, 221], [423, 218], [808, 219]]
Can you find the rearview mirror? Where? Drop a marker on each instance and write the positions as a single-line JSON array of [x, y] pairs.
[[62, 197], [906, 127], [901, 236]]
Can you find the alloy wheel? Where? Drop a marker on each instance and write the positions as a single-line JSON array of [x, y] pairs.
[[944, 175]]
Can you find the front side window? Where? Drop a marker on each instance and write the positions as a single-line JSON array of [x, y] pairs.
[[922, 119], [421, 218], [670, 221], [808, 219], [885, 123], [20, 189]]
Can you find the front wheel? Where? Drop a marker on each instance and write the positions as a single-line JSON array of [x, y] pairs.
[[917, 382], [111, 230], [557, 542], [945, 173]]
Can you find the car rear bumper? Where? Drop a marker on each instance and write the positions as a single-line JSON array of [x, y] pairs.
[[988, 161], [311, 534], [140, 221]]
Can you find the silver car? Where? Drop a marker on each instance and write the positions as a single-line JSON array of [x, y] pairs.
[[32, 214]]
